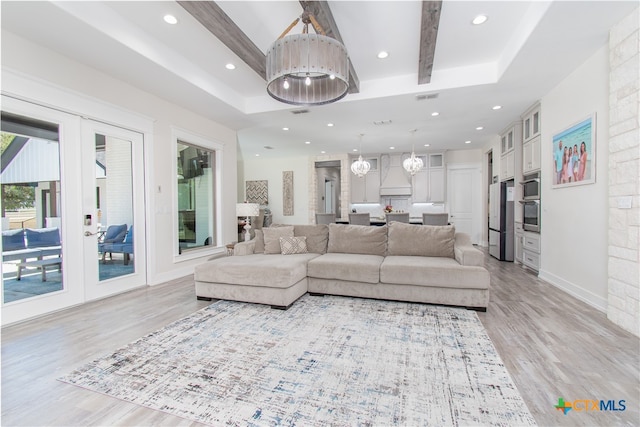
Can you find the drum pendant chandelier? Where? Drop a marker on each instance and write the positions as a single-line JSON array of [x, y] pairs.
[[307, 69]]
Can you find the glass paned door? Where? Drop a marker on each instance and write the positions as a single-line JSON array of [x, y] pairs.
[[31, 211], [114, 209], [41, 240]]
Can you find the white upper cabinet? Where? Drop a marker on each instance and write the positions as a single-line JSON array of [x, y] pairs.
[[510, 146], [367, 188], [531, 123], [429, 183], [531, 156], [531, 128]]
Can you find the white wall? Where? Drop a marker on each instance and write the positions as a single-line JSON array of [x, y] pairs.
[[33, 60], [574, 219], [271, 171]]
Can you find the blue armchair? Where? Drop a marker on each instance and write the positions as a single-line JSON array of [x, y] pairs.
[[115, 235], [126, 247]]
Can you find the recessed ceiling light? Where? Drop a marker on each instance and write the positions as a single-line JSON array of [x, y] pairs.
[[257, 155], [479, 128], [330, 124], [170, 19], [467, 142], [480, 19], [323, 152], [497, 107], [355, 149], [230, 66], [427, 145], [307, 142], [392, 148], [435, 113], [383, 54], [285, 128]]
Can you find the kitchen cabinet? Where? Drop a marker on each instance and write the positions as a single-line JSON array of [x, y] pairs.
[[428, 184], [531, 123], [507, 166], [519, 243], [507, 141], [436, 185], [531, 250], [531, 156], [367, 188], [510, 150]]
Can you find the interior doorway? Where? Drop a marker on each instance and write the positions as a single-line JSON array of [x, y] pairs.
[[329, 188]]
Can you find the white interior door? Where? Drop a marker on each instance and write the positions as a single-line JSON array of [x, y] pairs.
[[465, 199], [113, 209]]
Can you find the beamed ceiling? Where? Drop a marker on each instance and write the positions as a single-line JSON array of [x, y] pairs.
[[438, 62]]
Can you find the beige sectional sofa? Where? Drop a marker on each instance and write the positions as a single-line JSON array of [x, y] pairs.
[[427, 264]]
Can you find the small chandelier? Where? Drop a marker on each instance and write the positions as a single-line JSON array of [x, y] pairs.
[[307, 69], [360, 167], [413, 164]]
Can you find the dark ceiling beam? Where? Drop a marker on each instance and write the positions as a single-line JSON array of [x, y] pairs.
[[218, 23], [428, 35], [320, 10]]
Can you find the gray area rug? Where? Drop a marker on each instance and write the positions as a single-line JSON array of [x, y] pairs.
[[326, 360]]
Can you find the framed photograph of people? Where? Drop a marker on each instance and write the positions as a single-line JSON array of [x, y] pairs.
[[574, 154]]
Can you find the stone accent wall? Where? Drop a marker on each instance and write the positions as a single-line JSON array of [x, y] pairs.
[[624, 174]]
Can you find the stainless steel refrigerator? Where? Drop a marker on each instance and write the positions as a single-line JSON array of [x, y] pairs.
[[501, 221]]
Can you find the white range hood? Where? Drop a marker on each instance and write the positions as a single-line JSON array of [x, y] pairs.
[[395, 181]]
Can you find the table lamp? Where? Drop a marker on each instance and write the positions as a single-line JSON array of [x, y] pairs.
[[248, 210]]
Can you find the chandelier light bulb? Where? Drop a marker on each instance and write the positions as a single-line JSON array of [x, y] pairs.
[[307, 81], [285, 84]]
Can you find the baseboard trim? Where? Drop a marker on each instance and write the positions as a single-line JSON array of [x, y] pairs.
[[179, 273], [574, 290]]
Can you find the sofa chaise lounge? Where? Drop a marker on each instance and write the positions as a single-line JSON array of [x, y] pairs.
[[416, 263]]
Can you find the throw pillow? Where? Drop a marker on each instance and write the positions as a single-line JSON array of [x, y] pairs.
[[421, 240], [357, 239], [13, 240], [317, 236], [272, 238], [41, 237], [293, 245]]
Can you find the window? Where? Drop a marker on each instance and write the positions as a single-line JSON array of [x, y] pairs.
[[196, 196]]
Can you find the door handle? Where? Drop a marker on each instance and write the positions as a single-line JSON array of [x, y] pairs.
[[88, 233]]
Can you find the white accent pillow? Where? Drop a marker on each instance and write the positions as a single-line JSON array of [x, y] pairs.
[[293, 245]]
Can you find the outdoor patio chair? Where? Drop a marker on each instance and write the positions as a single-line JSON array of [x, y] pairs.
[[115, 234]]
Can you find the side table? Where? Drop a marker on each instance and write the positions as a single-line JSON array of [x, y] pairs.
[[230, 247]]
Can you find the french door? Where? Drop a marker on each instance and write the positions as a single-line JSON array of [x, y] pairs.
[[65, 181], [113, 209]]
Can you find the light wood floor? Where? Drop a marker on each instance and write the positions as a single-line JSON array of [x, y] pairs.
[[552, 344]]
